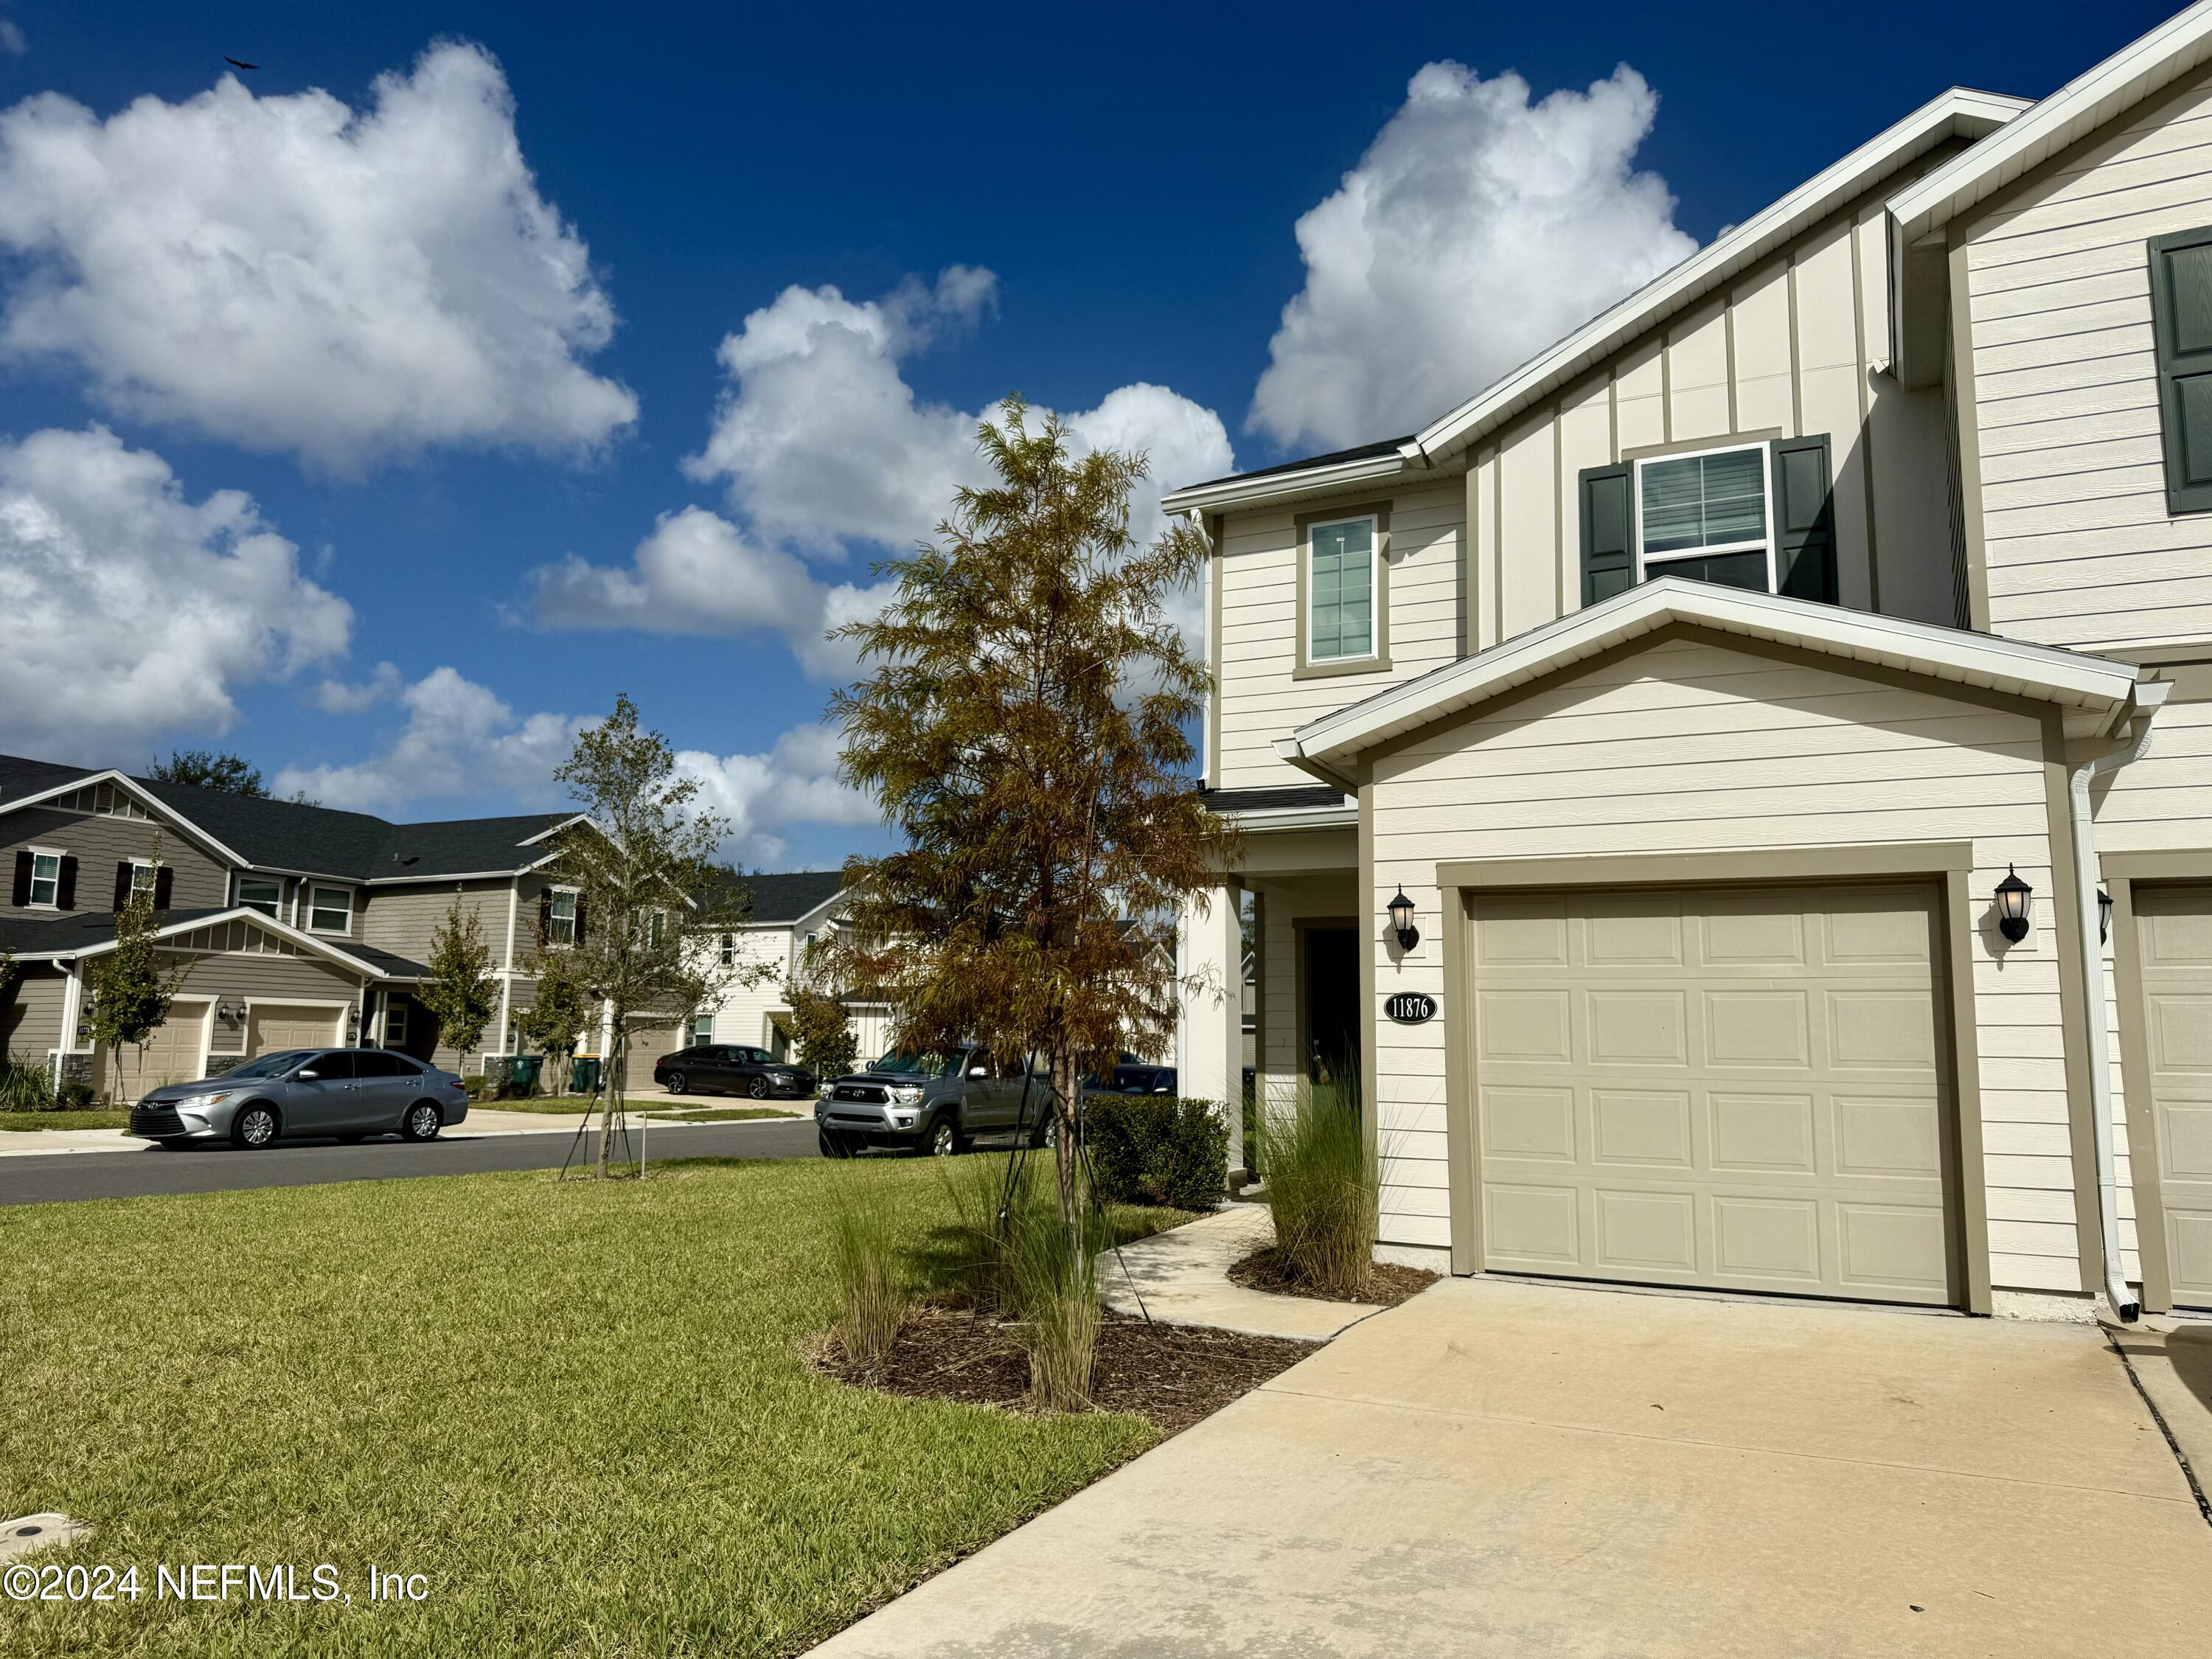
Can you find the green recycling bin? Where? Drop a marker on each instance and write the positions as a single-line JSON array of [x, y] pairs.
[[584, 1075], [523, 1073]]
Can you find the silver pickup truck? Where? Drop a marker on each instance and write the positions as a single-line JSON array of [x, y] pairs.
[[933, 1102]]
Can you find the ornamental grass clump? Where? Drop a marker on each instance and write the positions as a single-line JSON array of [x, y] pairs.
[[1054, 1271], [27, 1086], [1324, 1187], [864, 1245]]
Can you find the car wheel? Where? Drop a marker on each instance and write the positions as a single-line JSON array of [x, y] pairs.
[[677, 1083], [422, 1122], [945, 1138], [254, 1127], [758, 1088], [833, 1146]]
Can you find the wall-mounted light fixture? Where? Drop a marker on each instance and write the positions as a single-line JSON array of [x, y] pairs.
[[1401, 918], [2013, 897]]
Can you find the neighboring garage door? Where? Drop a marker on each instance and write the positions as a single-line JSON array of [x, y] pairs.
[[2174, 925], [647, 1046], [273, 1026], [1743, 1089], [171, 1055]]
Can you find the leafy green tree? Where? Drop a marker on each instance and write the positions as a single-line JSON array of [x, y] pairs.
[[820, 1030], [132, 988], [1025, 725], [649, 886], [558, 1013], [460, 993], [211, 768]]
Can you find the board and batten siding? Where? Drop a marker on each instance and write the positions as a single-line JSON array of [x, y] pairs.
[[2078, 547], [100, 843], [1256, 566], [1692, 747], [1787, 349]]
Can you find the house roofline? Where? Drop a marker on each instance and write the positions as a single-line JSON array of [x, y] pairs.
[[136, 790], [315, 942]]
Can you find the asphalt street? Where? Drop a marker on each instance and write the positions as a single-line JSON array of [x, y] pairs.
[[63, 1177]]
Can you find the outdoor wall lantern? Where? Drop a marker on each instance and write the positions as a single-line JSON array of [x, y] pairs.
[[1401, 918], [2013, 897], [2104, 915]]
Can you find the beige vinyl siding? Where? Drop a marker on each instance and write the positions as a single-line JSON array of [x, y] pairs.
[[1788, 348], [1257, 567], [2079, 547], [31, 1022], [238, 979], [99, 844], [1690, 747], [402, 920]]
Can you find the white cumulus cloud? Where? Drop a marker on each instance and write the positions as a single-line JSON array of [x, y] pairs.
[[764, 796], [1478, 228], [293, 275], [133, 612], [11, 37]]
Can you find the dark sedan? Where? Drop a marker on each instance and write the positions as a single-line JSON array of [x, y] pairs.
[[729, 1068]]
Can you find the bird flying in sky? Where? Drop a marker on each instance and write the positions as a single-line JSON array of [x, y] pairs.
[[236, 64]]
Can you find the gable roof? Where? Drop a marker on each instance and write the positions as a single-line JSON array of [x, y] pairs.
[[792, 896], [321, 840], [91, 933], [2102, 692], [1961, 112]]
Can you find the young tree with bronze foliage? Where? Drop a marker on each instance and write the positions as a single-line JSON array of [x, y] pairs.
[[651, 895], [1025, 725]]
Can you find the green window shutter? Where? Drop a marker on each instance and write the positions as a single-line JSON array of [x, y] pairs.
[[2181, 319], [1804, 520], [1608, 532]]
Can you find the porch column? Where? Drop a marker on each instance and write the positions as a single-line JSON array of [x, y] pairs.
[[1210, 1034], [72, 1006]]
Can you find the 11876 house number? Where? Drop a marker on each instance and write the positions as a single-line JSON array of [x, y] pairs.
[[1410, 1007]]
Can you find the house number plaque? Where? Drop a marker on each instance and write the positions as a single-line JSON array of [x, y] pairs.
[[1410, 1007]]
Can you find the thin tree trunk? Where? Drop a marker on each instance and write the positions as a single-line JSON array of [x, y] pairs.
[[1066, 1091], [607, 1105]]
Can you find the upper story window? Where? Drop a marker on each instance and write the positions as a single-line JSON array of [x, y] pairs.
[[561, 916], [1759, 516], [729, 950], [43, 891], [1344, 591], [330, 909], [144, 878], [266, 897]]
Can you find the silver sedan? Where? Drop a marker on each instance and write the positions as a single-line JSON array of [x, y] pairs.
[[348, 1094]]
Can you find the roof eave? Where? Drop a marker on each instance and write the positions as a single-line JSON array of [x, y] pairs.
[[1231, 494]]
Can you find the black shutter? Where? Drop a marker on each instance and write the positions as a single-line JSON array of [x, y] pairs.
[[2181, 319], [1804, 520], [544, 915], [580, 918], [22, 878], [1608, 532], [165, 887], [122, 886], [66, 898]]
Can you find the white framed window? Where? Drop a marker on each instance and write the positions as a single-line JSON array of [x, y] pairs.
[[561, 916], [45, 878], [329, 910], [143, 876], [266, 897], [1708, 515], [729, 950], [702, 1027], [1342, 589], [395, 1024]]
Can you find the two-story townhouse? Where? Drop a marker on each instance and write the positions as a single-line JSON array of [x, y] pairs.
[[1641, 766], [301, 925], [786, 912]]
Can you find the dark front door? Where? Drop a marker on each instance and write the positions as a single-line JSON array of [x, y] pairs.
[[1332, 1034]]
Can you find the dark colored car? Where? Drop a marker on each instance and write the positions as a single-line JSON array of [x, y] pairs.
[[346, 1093], [730, 1068], [1133, 1080], [933, 1103]]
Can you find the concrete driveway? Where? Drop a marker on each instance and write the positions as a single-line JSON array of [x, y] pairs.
[[1502, 1468]]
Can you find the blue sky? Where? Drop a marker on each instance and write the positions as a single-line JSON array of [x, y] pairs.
[[218, 279]]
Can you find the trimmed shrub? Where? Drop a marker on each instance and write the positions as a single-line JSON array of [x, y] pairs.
[[1157, 1149]]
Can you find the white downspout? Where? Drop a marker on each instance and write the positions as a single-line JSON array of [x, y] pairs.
[[2151, 697]]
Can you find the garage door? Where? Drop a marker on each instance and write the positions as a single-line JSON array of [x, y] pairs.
[[273, 1026], [1739, 1089], [173, 1056], [647, 1046], [2175, 928]]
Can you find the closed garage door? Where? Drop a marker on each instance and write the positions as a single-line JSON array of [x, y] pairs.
[[273, 1026], [171, 1055], [647, 1046], [2175, 928], [1740, 1089]]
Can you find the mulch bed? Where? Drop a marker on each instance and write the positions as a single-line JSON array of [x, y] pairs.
[[1172, 1376], [1387, 1283]]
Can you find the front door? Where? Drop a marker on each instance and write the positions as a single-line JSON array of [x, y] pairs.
[[1332, 1033], [2173, 929]]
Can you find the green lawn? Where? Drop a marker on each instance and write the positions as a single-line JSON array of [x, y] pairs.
[[90, 1120], [578, 1407]]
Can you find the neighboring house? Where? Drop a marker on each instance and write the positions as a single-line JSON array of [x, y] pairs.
[[1702, 684], [789, 911], [302, 925]]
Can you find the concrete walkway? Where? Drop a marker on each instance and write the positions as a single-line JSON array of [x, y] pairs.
[[1181, 1279], [1498, 1468]]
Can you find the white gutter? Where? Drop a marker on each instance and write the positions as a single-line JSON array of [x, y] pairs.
[[2151, 697]]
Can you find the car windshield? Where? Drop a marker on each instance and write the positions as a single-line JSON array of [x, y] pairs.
[[273, 1064], [920, 1064]]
